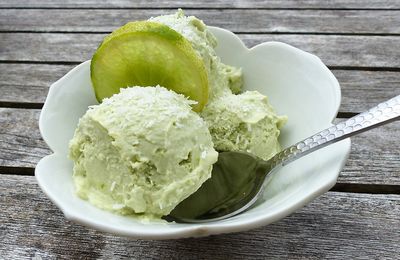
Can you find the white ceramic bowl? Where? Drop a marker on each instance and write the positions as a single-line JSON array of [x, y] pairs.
[[297, 83]]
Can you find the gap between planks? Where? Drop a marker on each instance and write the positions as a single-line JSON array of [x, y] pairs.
[[236, 32], [203, 8], [241, 4], [26, 105], [339, 186], [331, 67], [322, 22], [22, 105]]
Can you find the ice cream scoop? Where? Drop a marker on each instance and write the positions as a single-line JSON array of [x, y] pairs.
[[244, 122], [141, 152], [238, 178]]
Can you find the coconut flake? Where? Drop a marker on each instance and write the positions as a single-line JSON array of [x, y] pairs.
[[112, 186]]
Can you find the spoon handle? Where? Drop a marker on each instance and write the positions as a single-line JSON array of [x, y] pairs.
[[383, 113]]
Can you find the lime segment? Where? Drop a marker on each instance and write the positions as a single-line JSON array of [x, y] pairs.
[[148, 53]]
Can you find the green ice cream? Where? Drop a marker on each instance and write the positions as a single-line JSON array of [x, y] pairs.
[[244, 122], [237, 122], [141, 151]]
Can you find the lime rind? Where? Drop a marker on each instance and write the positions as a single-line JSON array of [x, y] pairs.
[[147, 27], [189, 78]]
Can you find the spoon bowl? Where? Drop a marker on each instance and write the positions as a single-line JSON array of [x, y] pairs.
[[228, 192]]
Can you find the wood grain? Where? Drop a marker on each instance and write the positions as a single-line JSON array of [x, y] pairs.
[[21, 144], [374, 158], [29, 83], [334, 226], [236, 20], [359, 40], [362, 90], [295, 4], [334, 50]]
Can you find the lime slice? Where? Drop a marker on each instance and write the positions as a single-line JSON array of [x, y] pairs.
[[148, 53]]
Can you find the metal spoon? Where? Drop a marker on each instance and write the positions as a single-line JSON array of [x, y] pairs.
[[238, 178]]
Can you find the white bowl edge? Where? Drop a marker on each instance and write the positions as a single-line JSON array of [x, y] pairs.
[[193, 230]]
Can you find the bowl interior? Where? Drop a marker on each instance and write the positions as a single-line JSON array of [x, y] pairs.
[[297, 84]]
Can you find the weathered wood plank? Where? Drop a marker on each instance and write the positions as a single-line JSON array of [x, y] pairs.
[[342, 4], [362, 90], [352, 51], [21, 144], [334, 226], [374, 159], [334, 50], [237, 20], [29, 83]]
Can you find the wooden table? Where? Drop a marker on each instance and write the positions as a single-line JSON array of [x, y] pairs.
[[360, 42]]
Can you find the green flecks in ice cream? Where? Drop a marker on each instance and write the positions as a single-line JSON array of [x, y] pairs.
[[141, 151], [244, 122]]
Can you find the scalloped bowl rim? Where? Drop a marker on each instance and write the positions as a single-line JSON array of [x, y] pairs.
[[193, 230]]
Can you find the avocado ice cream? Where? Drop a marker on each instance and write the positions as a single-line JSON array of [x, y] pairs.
[[244, 122], [141, 151]]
